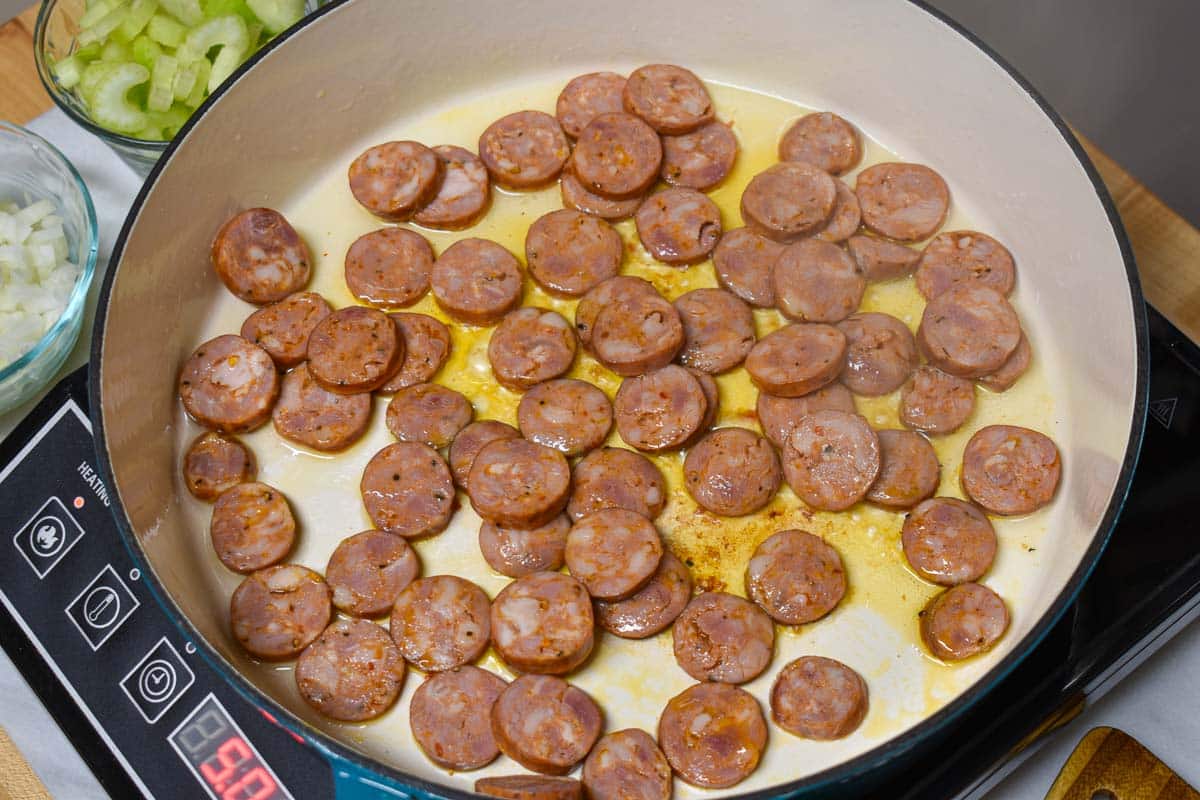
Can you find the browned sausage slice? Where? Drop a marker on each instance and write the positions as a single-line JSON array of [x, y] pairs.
[[713, 734], [354, 349], [641, 334], [965, 256], [722, 637], [909, 470], [389, 267], [779, 415], [845, 218], [653, 607], [1012, 369], [881, 260], [215, 462], [617, 156], [712, 394], [700, 159], [672, 99], [311, 415], [796, 577], [542, 623], [470, 440], [530, 787], [426, 348], [788, 200], [407, 490], [477, 281], [743, 261], [368, 570], [732, 472], [678, 226], [515, 552], [229, 384], [614, 291], [963, 621], [905, 202], [660, 410], [394, 179], [948, 542], [569, 252], [524, 150], [614, 477], [818, 698], [627, 765], [797, 359], [441, 622], [575, 195], [586, 97], [278, 611], [352, 672], [569, 415], [613, 552], [464, 195], [718, 329], [429, 413], [518, 483], [880, 353], [969, 331], [831, 459], [531, 345], [282, 328], [817, 281], [935, 402], [545, 724], [451, 717], [824, 140], [259, 256], [252, 527], [1010, 470]]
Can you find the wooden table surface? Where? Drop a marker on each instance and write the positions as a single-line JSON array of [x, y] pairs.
[[1166, 246]]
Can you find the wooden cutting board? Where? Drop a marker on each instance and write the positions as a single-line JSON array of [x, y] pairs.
[[17, 780], [1109, 764]]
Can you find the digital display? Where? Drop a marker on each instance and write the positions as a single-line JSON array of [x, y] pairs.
[[221, 757]]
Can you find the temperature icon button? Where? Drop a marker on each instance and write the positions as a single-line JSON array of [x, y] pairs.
[[102, 606]]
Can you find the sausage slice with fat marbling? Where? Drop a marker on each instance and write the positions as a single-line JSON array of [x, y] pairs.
[[451, 717], [311, 415], [572, 416], [367, 572], [476, 281], [743, 262], [252, 527], [845, 218], [948, 541], [653, 607], [935, 402], [718, 329], [1011, 370], [817, 281], [818, 698], [1010, 470], [618, 156], [569, 252], [587, 96], [229, 384], [407, 490], [524, 150], [880, 353], [441, 622], [464, 195], [613, 552], [530, 787], [881, 260], [576, 196], [545, 724], [542, 623], [614, 477], [394, 179], [278, 611], [824, 140], [909, 470], [779, 415], [969, 331], [964, 257], [352, 672], [627, 765], [678, 226], [429, 413], [905, 202], [640, 334], [797, 359], [355, 349], [661, 410], [389, 267], [796, 577], [518, 483], [831, 459], [470, 440], [700, 159], [614, 291], [259, 256], [215, 462], [426, 348], [788, 201], [732, 472], [722, 637], [531, 345], [672, 99], [713, 735], [282, 328], [963, 621], [515, 552]]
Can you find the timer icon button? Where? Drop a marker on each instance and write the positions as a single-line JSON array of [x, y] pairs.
[[102, 607], [157, 681], [47, 536]]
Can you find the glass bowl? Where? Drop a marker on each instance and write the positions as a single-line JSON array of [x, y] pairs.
[[32, 169]]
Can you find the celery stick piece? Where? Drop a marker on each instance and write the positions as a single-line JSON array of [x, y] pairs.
[[104, 28], [186, 11], [67, 71], [144, 50], [219, 8], [185, 80], [111, 106], [162, 82], [200, 90], [166, 31], [115, 51], [139, 16], [96, 11], [230, 34], [276, 15], [171, 120]]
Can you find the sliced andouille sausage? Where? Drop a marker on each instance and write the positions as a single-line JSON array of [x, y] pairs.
[[614, 477], [215, 462], [617, 156], [723, 637], [732, 472], [569, 252], [545, 724], [441, 622], [713, 735], [259, 256], [515, 552], [614, 291], [311, 415], [429, 413], [282, 328], [965, 257], [355, 349], [627, 765], [909, 470], [277, 612], [880, 353], [718, 329], [368, 570], [779, 415], [845, 218], [831, 459], [426, 348], [542, 623], [824, 140], [477, 281], [530, 787], [935, 402], [575, 195], [352, 672], [407, 490], [700, 159], [963, 621], [389, 267], [470, 440], [531, 345], [743, 261], [572, 416], [653, 607], [948, 541], [524, 150], [465, 193], [712, 394], [905, 202], [634, 337], [815, 697], [788, 200], [587, 96], [678, 226], [969, 331], [797, 359], [796, 577], [881, 260], [451, 717], [661, 410], [394, 179], [1010, 470], [229, 384], [672, 99], [518, 483], [817, 281], [1002, 379], [613, 552], [252, 527]]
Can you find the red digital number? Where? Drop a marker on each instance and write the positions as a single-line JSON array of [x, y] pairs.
[[228, 760], [242, 789]]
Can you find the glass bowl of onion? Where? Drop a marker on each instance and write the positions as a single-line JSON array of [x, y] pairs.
[[48, 246]]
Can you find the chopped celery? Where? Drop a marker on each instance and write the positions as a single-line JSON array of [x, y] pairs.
[[230, 34], [140, 12], [162, 82], [115, 51], [144, 50], [255, 32], [89, 52], [276, 15], [200, 90], [95, 72], [219, 8], [151, 133], [185, 79], [96, 11], [111, 107], [102, 29], [186, 11], [67, 71], [166, 31], [171, 120]]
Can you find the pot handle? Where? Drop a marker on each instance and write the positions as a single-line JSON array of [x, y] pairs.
[[352, 782]]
